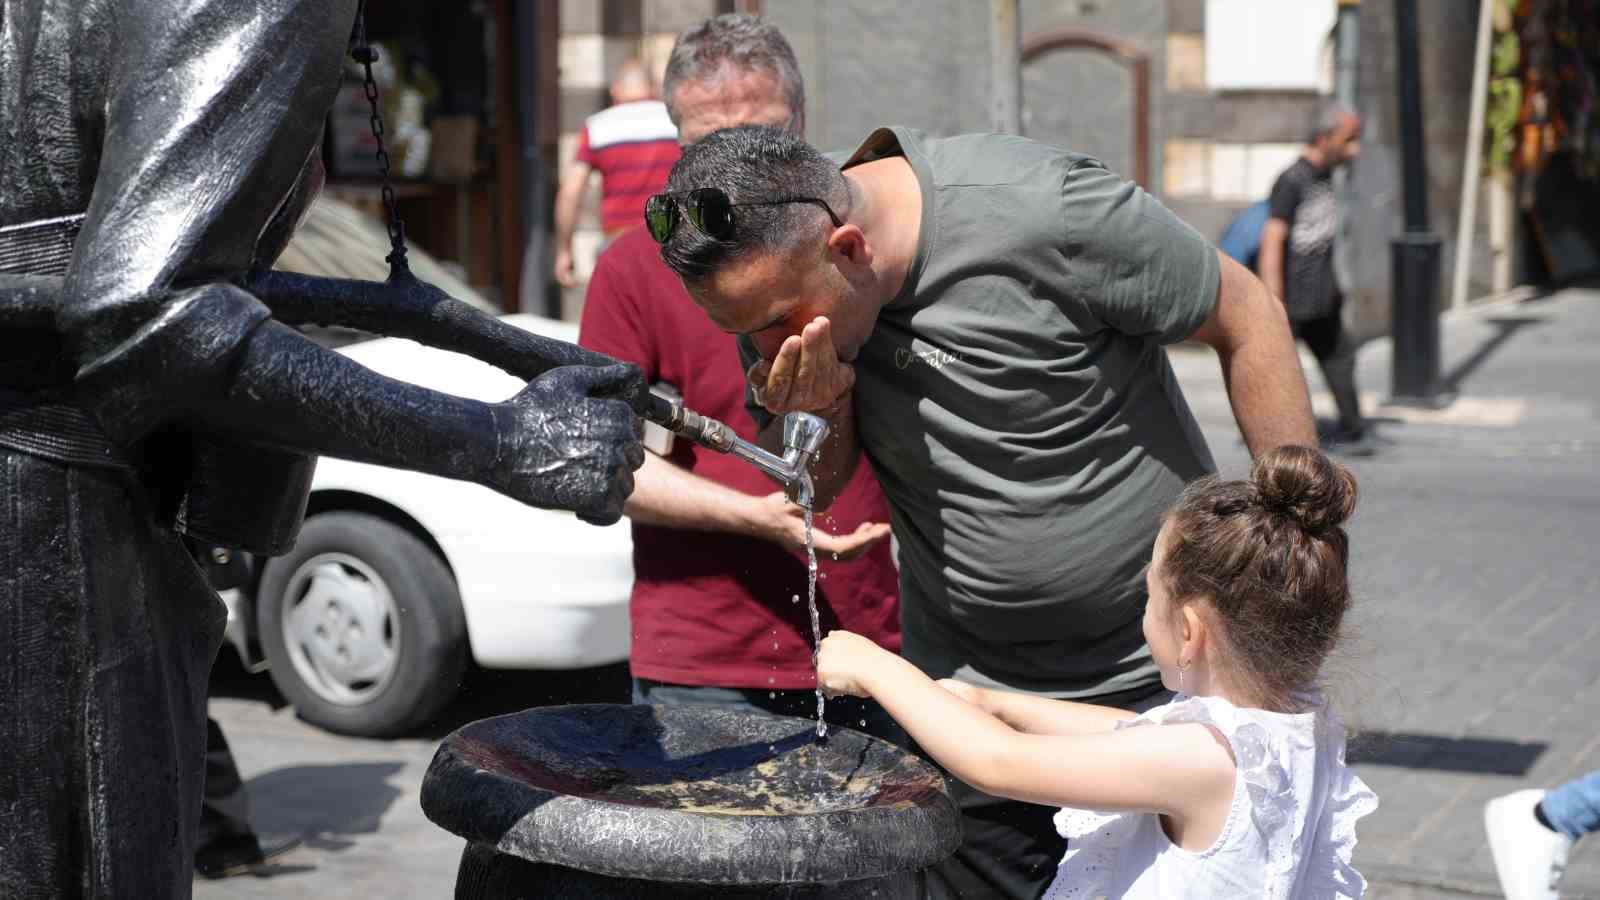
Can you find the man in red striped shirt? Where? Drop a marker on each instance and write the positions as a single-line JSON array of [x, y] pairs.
[[632, 144]]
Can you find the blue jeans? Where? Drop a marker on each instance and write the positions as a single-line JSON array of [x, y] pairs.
[[1574, 807], [847, 712]]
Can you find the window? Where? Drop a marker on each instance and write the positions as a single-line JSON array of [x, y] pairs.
[[1269, 44]]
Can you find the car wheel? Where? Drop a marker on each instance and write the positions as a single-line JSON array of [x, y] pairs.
[[361, 624]]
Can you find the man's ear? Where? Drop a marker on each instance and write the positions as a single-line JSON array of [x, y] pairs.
[[850, 242]]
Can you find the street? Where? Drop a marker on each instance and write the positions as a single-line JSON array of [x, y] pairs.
[[353, 802], [1471, 671]]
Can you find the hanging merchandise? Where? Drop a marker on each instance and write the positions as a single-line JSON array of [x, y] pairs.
[[1557, 133], [409, 91], [1557, 44]]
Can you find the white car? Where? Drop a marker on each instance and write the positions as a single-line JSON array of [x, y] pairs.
[[398, 578]]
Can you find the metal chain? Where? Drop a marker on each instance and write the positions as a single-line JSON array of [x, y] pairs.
[[364, 53]]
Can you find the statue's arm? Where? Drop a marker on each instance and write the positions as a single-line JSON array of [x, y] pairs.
[[212, 118], [226, 367], [409, 308]]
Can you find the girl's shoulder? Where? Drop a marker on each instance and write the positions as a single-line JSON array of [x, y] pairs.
[[1293, 779], [1276, 754], [1282, 733]]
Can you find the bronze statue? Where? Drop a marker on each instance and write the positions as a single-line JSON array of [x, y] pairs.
[[158, 155]]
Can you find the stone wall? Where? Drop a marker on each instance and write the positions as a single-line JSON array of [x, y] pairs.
[[1448, 31], [1211, 152], [926, 65]]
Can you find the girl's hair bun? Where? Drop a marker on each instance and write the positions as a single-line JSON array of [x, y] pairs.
[[1305, 485]]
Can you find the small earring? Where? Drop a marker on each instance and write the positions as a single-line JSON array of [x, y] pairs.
[[1182, 667]]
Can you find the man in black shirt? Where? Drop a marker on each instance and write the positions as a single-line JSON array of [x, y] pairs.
[[1297, 264]]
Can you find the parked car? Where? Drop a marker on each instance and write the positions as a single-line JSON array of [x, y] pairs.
[[399, 578]]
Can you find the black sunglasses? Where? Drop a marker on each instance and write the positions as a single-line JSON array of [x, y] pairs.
[[710, 211]]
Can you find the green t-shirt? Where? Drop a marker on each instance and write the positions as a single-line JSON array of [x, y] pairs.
[[1018, 407]]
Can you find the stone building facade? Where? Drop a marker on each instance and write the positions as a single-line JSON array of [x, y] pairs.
[[1211, 148]]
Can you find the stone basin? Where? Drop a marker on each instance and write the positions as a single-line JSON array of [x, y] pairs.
[[664, 801]]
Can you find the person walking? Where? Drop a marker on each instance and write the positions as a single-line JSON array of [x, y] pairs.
[[632, 145], [1532, 831], [717, 609], [985, 315], [1296, 262]]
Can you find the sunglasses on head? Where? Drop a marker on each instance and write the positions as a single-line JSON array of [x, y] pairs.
[[709, 210]]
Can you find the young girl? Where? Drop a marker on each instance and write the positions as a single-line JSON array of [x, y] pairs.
[[1235, 788]]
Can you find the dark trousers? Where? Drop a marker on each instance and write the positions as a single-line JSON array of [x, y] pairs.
[[225, 808], [847, 712], [107, 634], [1327, 340], [1010, 849]]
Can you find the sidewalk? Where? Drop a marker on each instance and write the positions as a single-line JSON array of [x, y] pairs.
[[1475, 667]]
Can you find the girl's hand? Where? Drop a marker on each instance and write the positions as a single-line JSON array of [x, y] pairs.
[[844, 662]]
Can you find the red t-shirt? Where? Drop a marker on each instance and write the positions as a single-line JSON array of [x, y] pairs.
[[715, 608], [633, 146]]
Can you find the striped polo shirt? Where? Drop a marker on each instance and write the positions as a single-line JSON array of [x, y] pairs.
[[633, 146]]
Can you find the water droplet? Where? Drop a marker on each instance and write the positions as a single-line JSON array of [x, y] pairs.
[[774, 645], [771, 680], [772, 695], [863, 723], [795, 599]]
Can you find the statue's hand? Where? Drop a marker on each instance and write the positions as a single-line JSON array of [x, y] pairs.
[[568, 442]]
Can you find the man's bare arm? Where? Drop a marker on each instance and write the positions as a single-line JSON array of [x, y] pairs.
[[569, 200], [1273, 241], [1250, 332], [666, 495]]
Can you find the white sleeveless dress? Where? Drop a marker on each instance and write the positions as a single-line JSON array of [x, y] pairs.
[[1289, 834]]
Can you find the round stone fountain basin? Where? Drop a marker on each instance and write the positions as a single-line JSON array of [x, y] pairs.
[[685, 796]]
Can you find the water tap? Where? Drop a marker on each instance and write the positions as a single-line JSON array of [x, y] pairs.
[[803, 434]]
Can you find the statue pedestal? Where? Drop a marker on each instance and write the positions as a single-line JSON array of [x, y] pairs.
[[622, 801]]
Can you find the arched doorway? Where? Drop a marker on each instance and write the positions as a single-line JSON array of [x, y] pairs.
[[1131, 58]]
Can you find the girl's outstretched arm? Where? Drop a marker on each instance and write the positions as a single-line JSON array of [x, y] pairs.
[[1038, 715], [1185, 771]]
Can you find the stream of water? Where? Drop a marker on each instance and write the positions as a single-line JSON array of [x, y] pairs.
[[816, 623]]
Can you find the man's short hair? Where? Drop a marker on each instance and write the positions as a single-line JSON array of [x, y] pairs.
[[752, 163], [740, 40], [1328, 121]]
